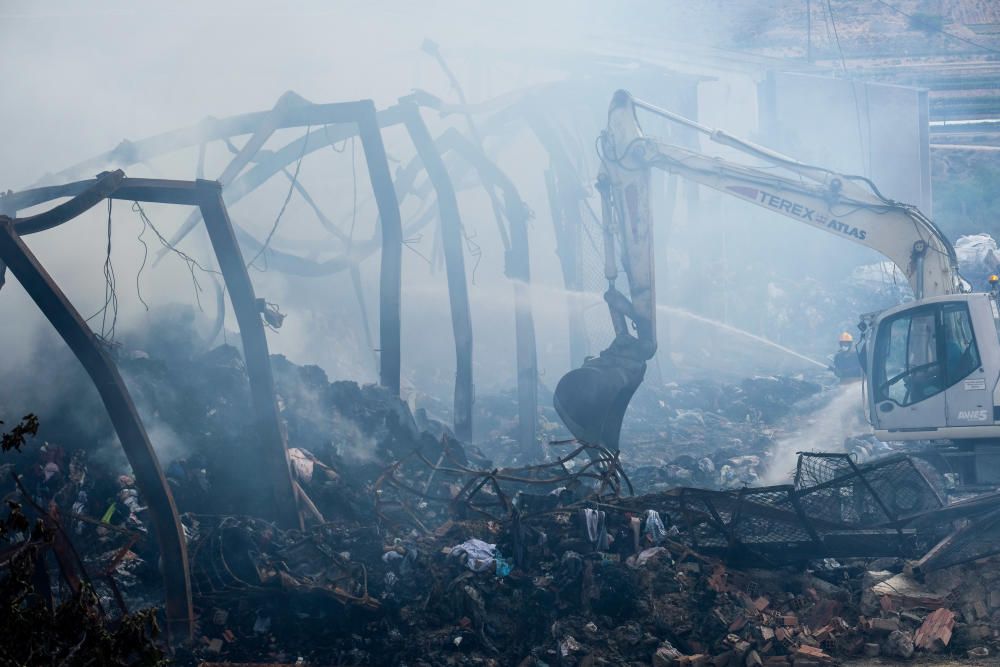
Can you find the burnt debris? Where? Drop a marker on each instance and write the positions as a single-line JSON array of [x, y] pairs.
[[417, 549]]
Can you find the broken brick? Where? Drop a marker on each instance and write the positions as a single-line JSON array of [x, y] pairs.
[[807, 653], [883, 625], [822, 613], [936, 630]]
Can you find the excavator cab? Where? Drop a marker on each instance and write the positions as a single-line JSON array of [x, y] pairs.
[[932, 365], [933, 369]]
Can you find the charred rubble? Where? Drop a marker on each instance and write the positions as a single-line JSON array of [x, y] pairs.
[[419, 550]]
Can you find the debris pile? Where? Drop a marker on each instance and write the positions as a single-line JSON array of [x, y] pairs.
[[418, 550], [576, 587], [724, 430]]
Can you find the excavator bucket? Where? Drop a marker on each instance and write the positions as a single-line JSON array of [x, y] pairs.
[[592, 400]]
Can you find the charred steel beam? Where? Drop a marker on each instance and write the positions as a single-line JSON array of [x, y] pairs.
[[242, 159], [518, 267], [266, 166], [279, 498], [105, 184], [431, 47], [275, 162], [451, 237], [565, 197], [391, 271], [293, 111], [289, 111], [156, 190], [131, 152], [210, 129], [124, 417]]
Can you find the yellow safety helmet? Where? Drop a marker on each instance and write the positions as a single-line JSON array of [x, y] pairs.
[[846, 338]]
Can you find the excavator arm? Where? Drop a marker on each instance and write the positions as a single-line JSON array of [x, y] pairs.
[[849, 207], [592, 400]]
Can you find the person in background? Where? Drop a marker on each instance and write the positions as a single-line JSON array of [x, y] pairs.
[[846, 364]]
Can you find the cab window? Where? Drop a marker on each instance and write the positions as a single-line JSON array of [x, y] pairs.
[[922, 352], [961, 353]]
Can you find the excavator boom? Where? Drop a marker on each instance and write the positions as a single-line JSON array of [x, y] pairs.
[[592, 400], [849, 207]]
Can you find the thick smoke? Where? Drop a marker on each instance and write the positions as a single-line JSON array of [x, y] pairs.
[[85, 78]]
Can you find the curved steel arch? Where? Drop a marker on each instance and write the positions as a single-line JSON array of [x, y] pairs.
[[279, 499], [292, 110], [431, 152], [518, 268]]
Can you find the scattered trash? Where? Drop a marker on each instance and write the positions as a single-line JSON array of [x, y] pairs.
[[475, 554], [430, 552]]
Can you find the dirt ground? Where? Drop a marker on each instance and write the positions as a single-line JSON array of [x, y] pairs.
[[924, 662]]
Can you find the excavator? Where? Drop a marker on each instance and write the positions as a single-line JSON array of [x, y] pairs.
[[931, 366]]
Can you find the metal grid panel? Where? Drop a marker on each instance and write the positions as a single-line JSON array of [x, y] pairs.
[[769, 515], [875, 494], [814, 469], [978, 539]]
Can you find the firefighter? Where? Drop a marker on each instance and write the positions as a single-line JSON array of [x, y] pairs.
[[846, 364]]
